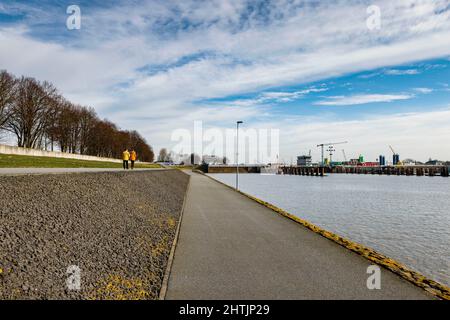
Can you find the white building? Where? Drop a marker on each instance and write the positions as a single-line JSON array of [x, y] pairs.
[[212, 159]]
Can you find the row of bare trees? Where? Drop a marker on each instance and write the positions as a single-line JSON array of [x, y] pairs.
[[39, 117]]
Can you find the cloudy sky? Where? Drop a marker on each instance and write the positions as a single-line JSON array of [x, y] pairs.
[[312, 69]]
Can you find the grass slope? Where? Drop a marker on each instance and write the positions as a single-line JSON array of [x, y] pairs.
[[14, 161]]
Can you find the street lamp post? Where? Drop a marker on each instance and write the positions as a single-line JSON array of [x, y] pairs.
[[237, 153]]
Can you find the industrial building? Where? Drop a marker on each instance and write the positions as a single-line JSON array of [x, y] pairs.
[[305, 161]]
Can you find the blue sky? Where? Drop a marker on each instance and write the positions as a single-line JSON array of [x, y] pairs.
[[312, 69], [405, 88]]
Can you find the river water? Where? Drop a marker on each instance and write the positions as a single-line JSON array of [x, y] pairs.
[[405, 218]]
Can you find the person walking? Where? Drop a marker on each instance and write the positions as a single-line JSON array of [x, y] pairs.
[[125, 158], [133, 157]]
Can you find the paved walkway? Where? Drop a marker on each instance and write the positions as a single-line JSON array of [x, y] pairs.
[[22, 171], [231, 247]]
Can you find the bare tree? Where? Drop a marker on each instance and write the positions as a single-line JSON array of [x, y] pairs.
[[52, 131], [138, 143], [31, 112], [38, 116], [68, 127], [102, 142], [7, 94], [88, 119], [163, 154]]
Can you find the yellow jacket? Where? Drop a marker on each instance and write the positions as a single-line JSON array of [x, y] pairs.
[[126, 156], [133, 156]]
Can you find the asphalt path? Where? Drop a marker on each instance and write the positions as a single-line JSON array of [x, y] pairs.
[[231, 247]]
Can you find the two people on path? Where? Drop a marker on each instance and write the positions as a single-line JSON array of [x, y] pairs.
[[129, 156]]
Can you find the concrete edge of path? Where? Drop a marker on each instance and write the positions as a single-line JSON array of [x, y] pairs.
[[165, 283], [436, 289]]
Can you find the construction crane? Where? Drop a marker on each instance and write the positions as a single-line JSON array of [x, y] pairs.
[[395, 157], [392, 149], [322, 145], [345, 156]]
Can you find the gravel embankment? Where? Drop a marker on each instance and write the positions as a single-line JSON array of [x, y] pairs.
[[118, 228]]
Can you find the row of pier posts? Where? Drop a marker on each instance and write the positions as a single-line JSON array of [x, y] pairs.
[[304, 171], [431, 171]]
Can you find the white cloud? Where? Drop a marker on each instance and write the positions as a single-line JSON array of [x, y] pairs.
[[291, 43], [418, 135], [399, 72], [272, 48], [83, 75], [282, 96], [424, 90], [392, 72], [271, 97], [409, 133], [362, 99]]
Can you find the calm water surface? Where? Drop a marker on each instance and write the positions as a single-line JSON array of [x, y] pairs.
[[405, 218]]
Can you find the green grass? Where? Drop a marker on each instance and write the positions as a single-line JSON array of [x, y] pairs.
[[14, 161], [182, 167]]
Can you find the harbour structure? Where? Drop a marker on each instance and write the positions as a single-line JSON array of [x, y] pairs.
[[395, 157], [416, 170], [330, 149], [305, 160]]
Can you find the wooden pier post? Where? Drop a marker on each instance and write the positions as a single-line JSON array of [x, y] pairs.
[[431, 172]]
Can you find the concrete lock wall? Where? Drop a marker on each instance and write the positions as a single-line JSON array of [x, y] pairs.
[[51, 154], [226, 169]]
